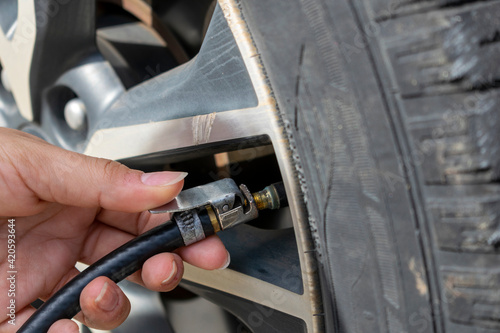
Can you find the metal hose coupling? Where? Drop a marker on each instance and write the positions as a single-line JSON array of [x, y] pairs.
[[226, 203]]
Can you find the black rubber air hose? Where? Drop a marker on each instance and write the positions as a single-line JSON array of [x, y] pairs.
[[117, 265]]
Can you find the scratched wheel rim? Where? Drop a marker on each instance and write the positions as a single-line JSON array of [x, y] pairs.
[[256, 290]]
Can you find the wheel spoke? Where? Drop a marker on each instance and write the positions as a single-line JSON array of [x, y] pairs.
[[39, 50], [16, 52], [215, 80], [254, 290], [170, 135]]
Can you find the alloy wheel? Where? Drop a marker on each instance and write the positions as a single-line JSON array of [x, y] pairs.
[[84, 87]]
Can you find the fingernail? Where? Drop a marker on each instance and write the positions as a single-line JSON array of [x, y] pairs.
[[107, 299], [172, 274], [228, 261], [164, 178]]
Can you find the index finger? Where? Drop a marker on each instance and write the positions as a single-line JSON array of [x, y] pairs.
[[34, 172]]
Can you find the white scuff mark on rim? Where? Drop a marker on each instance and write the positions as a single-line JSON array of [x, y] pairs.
[[202, 127]]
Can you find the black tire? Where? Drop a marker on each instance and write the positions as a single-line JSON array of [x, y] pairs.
[[391, 113]]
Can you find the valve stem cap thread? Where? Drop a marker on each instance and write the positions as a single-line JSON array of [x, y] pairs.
[[271, 197]]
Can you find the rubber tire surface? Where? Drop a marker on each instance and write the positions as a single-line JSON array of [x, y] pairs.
[[391, 111]]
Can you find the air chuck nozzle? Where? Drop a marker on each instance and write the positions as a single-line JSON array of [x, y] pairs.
[[271, 197]]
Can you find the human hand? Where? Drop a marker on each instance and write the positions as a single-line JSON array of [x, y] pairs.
[[70, 207]]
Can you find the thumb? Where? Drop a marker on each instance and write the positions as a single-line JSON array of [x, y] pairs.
[[34, 173]]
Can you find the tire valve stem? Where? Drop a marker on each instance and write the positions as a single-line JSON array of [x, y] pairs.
[[271, 197]]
